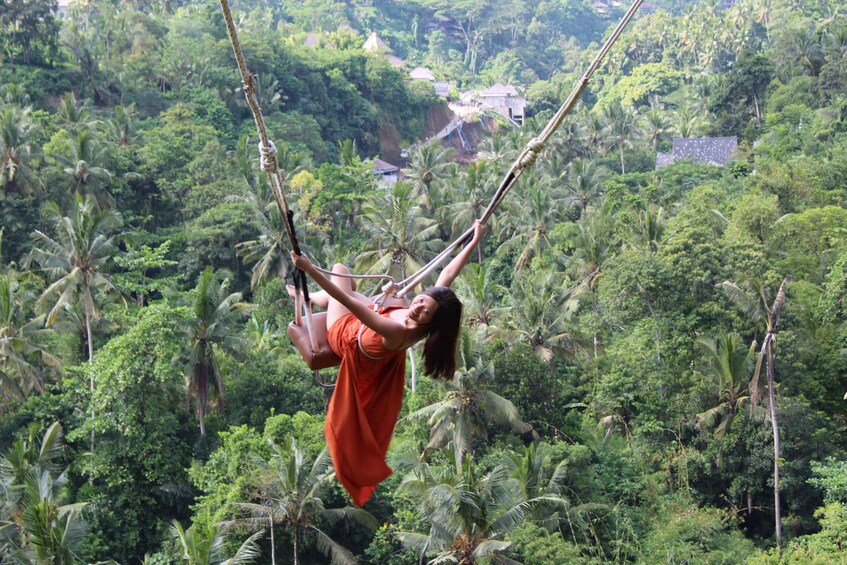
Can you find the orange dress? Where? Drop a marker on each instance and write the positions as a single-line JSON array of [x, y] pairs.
[[364, 407]]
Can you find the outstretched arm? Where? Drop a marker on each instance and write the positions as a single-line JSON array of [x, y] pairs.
[[452, 270], [386, 327]]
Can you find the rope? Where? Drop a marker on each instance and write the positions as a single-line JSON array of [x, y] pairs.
[[528, 156], [267, 148]]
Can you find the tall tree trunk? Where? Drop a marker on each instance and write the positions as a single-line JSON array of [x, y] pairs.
[[273, 544], [296, 545], [776, 449], [623, 169], [90, 372]]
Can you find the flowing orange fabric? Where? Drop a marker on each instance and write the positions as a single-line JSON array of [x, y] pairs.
[[364, 407]]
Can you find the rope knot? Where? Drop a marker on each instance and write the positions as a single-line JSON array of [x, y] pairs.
[[267, 156], [531, 152]]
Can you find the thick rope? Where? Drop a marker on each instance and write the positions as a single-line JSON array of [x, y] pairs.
[[267, 148], [528, 156]]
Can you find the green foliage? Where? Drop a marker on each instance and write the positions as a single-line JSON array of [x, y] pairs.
[[143, 436], [643, 83]]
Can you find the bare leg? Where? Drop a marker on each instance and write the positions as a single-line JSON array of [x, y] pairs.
[[319, 299], [335, 309]]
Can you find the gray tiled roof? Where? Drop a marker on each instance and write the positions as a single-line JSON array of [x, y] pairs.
[[717, 150], [714, 150], [383, 167]]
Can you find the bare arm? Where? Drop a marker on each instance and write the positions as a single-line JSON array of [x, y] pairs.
[[386, 327], [452, 270]]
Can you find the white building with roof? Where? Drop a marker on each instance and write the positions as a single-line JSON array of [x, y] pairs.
[[385, 173], [505, 100]]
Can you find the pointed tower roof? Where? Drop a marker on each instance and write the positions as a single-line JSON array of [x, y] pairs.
[[374, 43]]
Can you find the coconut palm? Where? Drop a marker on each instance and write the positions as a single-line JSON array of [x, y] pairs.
[[401, 237], [212, 326], [22, 358], [77, 260], [621, 128], [538, 311], [428, 164], [469, 514], [656, 127], [82, 164], [206, 545], [646, 231], [754, 302], [469, 410], [74, 113], [730, 363], [472, 194], [533, 211], [16, 131], [289, 487], [479, 294], [35, 527], [122, 125], [584, 182]]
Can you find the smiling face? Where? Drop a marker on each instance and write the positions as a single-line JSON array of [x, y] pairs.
[[422, 309]]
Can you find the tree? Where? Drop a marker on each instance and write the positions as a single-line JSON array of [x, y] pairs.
[[469, 409], [206, 546], [401, 238], [731, 363], [29, 31], [87, 177], [77, 260], [22, 357], [584, 182], [35, 527], [756, 305], [16, 132], [288, 492], [469, 515], [621, 128], [211, 326]]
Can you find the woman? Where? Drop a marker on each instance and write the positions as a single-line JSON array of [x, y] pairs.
[[372, 345]]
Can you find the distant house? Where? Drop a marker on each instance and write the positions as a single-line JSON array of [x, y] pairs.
[[64, 7], [385, 173], [422, 73], [505, 100], [712, 150], [375, 44], [442, 87]]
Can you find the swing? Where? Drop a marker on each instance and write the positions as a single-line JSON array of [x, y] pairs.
[[310, 338]]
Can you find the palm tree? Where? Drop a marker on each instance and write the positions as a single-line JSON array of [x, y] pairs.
[[211, 326], [646, 231], [621, 128], [76, 260], [754, 302], [584, 182], [479, 294], [403, 240], [21, 357], [472, 194], [469, 515], [533, 211], [122, 125], [34, 526], [656, 127], [539, 309], [428, 164], [205, 545], [16, 131], [288, 492], [73, 113], [82, 166], [731, 364], [469, 409]]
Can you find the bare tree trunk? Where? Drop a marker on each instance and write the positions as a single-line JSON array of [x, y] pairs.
[[273, 544], [90, 373], [296, 545], [776, 449]]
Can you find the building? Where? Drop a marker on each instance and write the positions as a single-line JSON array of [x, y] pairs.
[[64, 7], [505, 100], [716, 151], [441, 87], [375, 44], [386, 174]]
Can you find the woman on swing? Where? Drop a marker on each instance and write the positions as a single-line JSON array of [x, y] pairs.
[[372, 345]]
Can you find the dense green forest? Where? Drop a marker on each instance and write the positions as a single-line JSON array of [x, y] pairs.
[[643, 350]]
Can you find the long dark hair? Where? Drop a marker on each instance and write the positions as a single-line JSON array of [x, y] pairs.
[[440, 347]]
